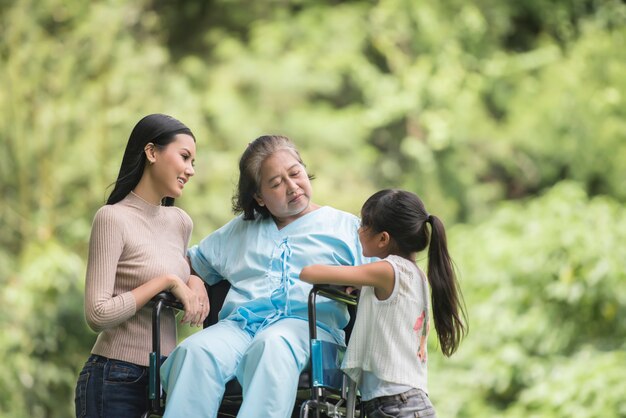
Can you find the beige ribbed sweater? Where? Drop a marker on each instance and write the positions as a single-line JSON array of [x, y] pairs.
[[132, 242]]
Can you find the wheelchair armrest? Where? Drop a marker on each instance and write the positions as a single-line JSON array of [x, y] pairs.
[[331, 292], [335, 293], [167, 299]]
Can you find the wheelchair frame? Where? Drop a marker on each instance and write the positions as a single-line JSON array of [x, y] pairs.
[[323, 392], [328, 399], [156, 400]]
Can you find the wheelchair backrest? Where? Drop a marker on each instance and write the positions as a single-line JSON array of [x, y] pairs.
[[217, 293]]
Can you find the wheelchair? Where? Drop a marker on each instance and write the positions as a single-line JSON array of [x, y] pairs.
[[323, 390]]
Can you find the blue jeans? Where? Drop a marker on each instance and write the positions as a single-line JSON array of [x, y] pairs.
[[412, 403], [110, 388]]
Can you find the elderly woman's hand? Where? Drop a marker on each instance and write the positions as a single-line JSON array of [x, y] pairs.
[[196, 284]]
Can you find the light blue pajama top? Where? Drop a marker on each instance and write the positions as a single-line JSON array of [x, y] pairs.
[[263, 264]]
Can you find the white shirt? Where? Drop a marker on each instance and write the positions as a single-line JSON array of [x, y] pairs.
[[387, 333]]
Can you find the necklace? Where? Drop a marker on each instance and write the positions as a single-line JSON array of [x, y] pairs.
[[144, 200]]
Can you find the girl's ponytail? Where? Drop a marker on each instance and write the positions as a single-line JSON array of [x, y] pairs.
[[445, 295]]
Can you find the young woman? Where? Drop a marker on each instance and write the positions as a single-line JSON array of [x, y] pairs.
[[136, 250], [386, 355]]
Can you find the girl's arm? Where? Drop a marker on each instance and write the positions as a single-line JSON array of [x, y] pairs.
[[379, 275]]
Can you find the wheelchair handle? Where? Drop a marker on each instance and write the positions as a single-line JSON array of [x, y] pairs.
[[167, 299]]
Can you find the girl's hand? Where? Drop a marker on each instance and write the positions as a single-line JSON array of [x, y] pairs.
[[352, 290], [187, 297], [196, 284]]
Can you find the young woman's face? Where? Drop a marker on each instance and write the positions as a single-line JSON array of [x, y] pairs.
[[285, 188], [173, 166]]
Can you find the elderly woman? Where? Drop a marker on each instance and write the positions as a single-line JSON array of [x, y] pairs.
[[262, 335]]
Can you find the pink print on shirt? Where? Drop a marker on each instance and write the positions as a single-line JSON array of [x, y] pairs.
[[418, 327]]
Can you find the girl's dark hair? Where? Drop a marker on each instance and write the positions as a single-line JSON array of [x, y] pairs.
[[250, 173], [403, 216], [156, 128]]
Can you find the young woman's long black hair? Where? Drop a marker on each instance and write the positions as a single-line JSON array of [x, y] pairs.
[[403, 216], [156, 128]]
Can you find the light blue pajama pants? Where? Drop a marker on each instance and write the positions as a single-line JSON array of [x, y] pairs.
[[267, 365]]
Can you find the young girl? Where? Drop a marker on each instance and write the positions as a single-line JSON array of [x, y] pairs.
[[386, 355], [136, 250]]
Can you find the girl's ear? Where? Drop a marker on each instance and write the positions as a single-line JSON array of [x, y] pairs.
[[383, 239], [150, 151]]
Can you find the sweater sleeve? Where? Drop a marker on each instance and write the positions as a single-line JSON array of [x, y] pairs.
[[102, 309]]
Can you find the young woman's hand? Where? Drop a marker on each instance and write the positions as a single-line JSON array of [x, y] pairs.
[[189, 300], [196, 284]]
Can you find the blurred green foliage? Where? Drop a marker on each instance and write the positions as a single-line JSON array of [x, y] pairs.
[[546, 295], [508, 118]]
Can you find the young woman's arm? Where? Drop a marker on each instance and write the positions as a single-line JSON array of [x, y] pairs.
[[179, 289], [379, 275]]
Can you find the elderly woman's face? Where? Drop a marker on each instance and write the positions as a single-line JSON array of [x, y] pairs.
[[285, 188]]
